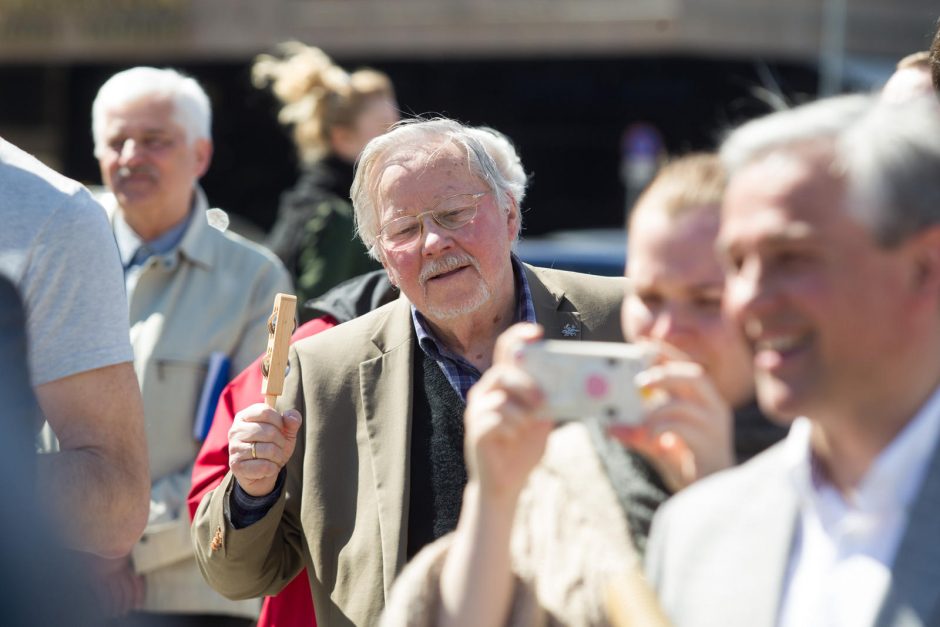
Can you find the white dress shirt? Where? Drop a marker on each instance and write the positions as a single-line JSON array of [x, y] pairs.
[[844, 545]]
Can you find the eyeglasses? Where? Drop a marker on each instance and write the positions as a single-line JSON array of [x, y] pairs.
[[451, 214]]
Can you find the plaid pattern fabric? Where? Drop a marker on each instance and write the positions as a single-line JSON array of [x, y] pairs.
[[460, 373]]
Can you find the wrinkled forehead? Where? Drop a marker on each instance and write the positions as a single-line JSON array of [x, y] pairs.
[[423, 175]]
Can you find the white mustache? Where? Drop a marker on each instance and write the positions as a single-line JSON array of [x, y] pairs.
[[125, 172], [446, 264]]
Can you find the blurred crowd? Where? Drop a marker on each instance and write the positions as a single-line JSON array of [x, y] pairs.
[[782, 466]]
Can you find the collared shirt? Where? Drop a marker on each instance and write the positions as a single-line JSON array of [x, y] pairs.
[[844, 546], [135, 252], [460, 373]]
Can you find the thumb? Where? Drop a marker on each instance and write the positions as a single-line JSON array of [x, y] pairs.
[[292, 422]]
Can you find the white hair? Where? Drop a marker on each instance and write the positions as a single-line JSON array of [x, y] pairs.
[[490, 155], [191, 108], [888, 152]]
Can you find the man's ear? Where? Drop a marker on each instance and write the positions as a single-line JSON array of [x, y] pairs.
[[926, 257], [391, 277], [203, 150], [512, 218], [388, 272]]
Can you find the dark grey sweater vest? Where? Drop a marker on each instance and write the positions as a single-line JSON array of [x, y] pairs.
[[437, 470]]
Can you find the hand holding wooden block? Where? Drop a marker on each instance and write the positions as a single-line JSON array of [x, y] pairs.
[[274, 365]]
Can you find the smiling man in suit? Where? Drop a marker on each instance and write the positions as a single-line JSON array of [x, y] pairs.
[[830, 237], [379, 471]]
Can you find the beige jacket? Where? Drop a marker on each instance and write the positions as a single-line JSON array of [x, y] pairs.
[[344, 513], [569, 543], [214, 292]]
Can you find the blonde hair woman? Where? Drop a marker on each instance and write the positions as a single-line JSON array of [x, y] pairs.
[[333, 114]]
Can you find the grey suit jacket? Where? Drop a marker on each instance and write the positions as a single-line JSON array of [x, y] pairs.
[[719, 551], [346, 507]]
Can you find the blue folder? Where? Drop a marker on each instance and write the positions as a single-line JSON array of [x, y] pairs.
[[216, 380]]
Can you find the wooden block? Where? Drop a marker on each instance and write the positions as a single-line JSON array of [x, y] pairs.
[[274, 366]]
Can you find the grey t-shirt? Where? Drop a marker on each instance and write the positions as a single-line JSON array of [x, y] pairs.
[[57, 247]]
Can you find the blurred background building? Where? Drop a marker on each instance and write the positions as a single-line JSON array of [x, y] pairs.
[[593, 92]]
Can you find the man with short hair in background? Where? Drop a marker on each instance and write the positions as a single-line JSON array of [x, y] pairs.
[[830, 237], [197, 294]]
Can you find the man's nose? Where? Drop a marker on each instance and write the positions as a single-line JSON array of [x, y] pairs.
[[435, 238], [668, 325], [130, 151]]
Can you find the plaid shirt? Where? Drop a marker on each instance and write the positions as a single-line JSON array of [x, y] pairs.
[[459, 372]]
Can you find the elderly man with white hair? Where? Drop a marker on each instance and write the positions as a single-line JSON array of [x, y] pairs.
[[830, 237], [194, 292], [378, 471]]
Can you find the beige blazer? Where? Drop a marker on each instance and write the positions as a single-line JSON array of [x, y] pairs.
[[345, 511]]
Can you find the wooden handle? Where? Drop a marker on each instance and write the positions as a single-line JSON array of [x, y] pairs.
[[274, 364], [631, 602]]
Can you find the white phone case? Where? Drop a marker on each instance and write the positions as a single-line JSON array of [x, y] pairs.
[[588, 380]]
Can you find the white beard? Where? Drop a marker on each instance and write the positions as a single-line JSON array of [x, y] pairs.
[[451, 309]]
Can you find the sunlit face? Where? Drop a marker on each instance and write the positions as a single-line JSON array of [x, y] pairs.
[[676, 291], [446, 274], [824, 308], [146, 160]]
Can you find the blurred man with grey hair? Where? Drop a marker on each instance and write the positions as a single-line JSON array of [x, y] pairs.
[[198, 296], [379, 470], [830, 237]]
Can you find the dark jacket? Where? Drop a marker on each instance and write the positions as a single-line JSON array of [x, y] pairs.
[[353, 297], [314, 234]]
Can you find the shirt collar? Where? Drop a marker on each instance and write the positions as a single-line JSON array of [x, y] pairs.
[[895, 476], [135, 251], [525, 312]]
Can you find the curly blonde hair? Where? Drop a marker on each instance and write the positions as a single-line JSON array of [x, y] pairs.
[[317, 94]]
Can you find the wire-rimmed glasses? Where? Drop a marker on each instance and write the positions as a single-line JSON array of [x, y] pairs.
[[451, 214]]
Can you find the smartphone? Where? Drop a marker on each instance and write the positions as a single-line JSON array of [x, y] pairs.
[[588, 380]]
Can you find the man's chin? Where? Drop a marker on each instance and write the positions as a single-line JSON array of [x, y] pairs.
[[440, 307], [779, 400], [130, 197]]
